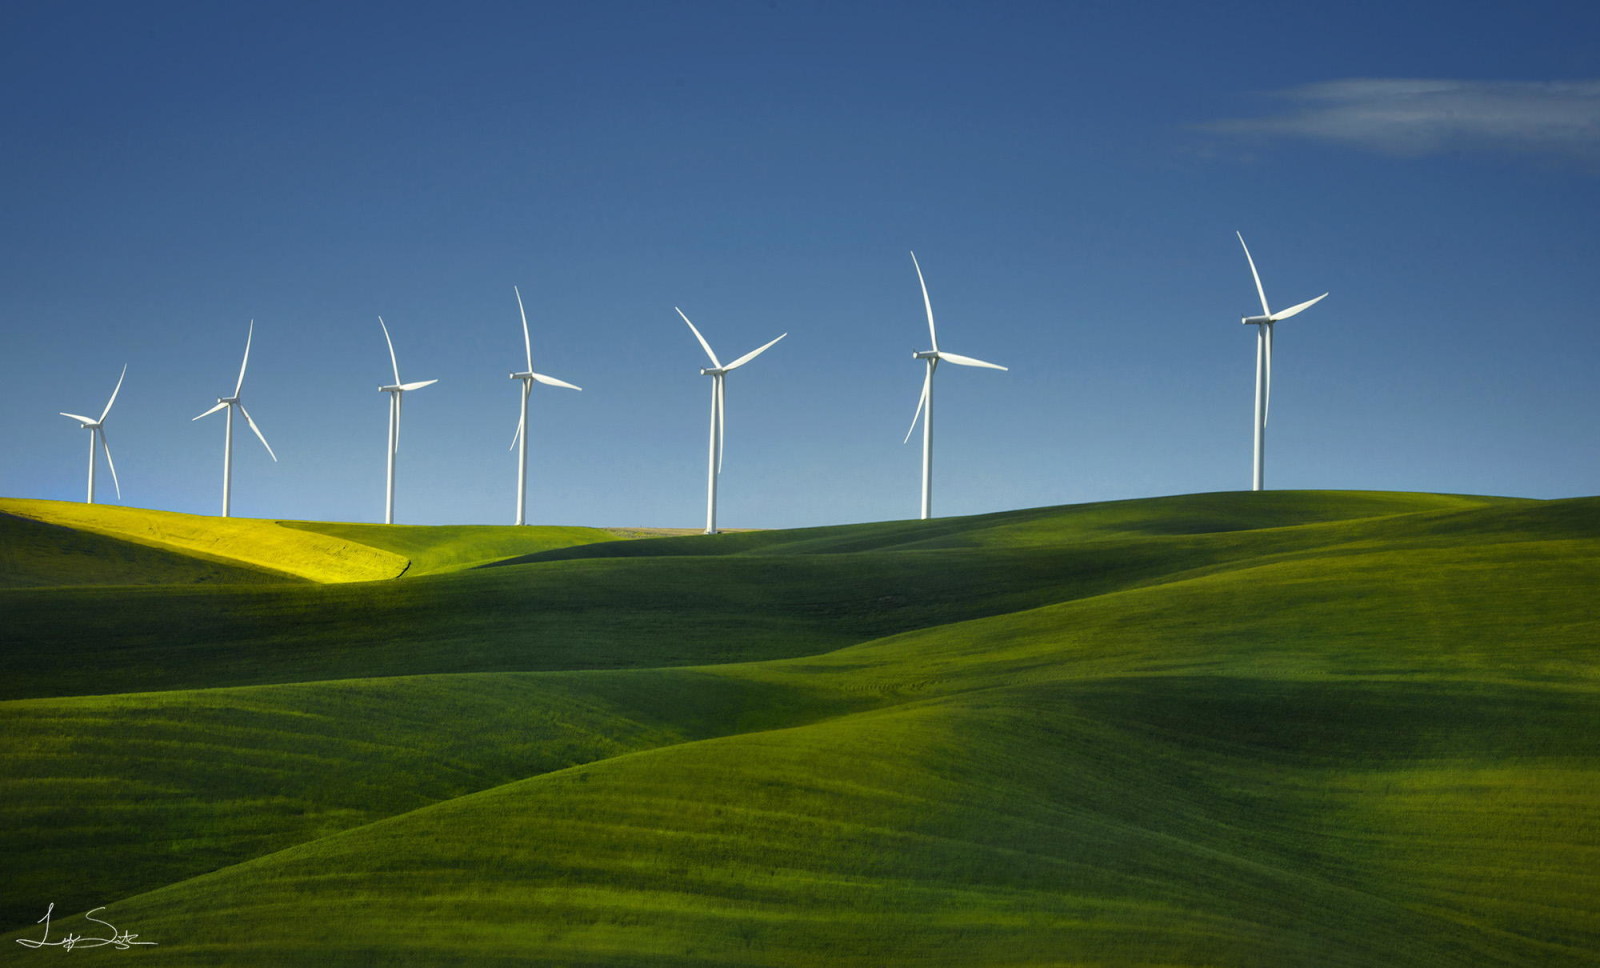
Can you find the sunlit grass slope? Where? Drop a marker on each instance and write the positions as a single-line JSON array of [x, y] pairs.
[[36, 554], [245, 542], [1208, 514], [816, 590], [55, 543], [214, 777], [440, 548], [1170, 821], [1251, 730]]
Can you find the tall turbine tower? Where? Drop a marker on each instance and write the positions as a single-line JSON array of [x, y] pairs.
[[1263, 324], [227, 438], [925, 402], [528, 378], [396, 391], [97, 432], [716, 371]]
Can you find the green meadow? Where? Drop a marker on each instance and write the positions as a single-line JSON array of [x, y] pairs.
[[1240, 729]]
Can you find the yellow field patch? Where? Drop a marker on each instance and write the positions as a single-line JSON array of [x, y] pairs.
[[249, 541]]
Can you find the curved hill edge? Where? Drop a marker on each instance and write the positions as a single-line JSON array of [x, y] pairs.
[[39, 554], [441, 548], [254, 542], [1185, 514]]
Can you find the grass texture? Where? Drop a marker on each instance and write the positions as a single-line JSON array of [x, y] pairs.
[[1275, 729]]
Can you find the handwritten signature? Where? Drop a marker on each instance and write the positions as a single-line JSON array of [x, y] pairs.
[[121, 940]]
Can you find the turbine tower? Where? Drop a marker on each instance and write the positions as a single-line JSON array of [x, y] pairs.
[[232, 403], [925, 402], [528, 378], [396, 392], [716, 371], [1263, 324], [97, 432]]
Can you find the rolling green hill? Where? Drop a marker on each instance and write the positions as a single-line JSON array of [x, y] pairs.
[[1229, 729], [47, 543]]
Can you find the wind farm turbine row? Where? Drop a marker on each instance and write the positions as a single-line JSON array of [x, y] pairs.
[[931, 358]]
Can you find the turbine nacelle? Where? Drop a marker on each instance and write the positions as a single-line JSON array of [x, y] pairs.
[[924, 412], [1264, 323], [403, 387], [717, 370]]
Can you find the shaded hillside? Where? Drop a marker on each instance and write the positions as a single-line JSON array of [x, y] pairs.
[[1245, 729], [36, 554]]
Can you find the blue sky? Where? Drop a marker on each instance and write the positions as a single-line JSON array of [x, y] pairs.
[[1070, 175]]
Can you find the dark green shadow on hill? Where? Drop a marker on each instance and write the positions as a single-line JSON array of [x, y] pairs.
[[35, 554], [1173, 821], [443, 548], [1155, 739]]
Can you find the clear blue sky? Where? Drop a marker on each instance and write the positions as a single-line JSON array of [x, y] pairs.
[[1071, 176]]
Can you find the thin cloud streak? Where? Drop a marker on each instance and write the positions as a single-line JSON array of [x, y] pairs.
[[1415, 117]]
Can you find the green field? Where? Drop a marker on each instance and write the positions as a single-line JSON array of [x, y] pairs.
[[1270, 729]]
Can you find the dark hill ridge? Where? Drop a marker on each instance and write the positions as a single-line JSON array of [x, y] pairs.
[[724, 598], [1233, 729]]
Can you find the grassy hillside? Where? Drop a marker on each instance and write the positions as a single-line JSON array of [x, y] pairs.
[[436, 549], [37, 554], [54, 543], [237, 542], [1235, 729]]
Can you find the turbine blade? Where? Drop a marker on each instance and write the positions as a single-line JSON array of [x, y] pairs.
[[926, 302], [399, 404], [248, 336], [722, 420], [251, 421], [527, 344], [106, 446], [392, 361], [968, 361], [1266, 401], [211, 411], [516, 436], [86, 421], [113, 399], [551, 381], [921, 402], [703, 344], [1295, 310], [741, 361], [1256, 275], [418, 386]]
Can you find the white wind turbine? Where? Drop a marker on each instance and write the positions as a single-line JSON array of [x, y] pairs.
[[925, 402], [396, 391], [717, 372], [1263, 324], [97, 432], [227, 439], [528, 378]]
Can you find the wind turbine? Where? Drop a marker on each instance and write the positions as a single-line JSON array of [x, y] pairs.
[[1263, 324], [396, 392], [716, 371], [528, 378], [97, 432], [925, 402], [227, 440]]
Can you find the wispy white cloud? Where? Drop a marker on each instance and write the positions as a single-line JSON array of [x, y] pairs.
[[1422, 117]]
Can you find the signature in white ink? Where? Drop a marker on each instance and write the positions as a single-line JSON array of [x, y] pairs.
[[121, 940]]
